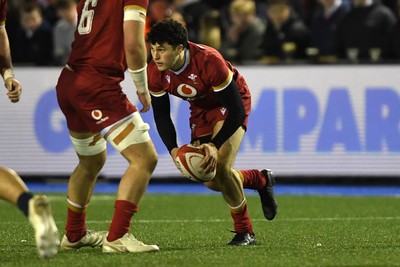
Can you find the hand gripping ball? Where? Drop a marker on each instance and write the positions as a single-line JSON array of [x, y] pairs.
[[188, 159]]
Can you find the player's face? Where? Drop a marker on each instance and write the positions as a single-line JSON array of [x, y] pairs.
[[166, 56]]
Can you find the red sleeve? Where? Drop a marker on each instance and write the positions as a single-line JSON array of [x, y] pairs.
[[219, 75], [156, 87]]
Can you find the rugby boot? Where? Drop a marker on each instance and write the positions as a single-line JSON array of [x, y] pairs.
[[243, 239], [42, 221], [267, 196], [127, 243], [91, 239]]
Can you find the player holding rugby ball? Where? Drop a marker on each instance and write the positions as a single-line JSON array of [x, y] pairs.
[[220, 104]]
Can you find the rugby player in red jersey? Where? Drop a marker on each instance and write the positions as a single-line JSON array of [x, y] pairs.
[[220, 104], [109, 39], [12, 188]]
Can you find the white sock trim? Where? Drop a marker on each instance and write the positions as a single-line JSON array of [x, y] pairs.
[[241, 204], [74, 204]]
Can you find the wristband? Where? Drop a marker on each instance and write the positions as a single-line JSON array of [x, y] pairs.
[[139, 77], [8, 73]]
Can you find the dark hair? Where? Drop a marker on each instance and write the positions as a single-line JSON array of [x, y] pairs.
[[168, 31]]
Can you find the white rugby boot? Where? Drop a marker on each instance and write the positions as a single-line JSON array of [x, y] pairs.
[[42, 221], [91, 239], [127, 243]]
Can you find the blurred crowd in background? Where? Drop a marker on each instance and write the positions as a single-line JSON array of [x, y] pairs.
[[245, 31]]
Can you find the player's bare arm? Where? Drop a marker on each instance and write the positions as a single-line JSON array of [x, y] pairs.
[[135, 51], [12, 85]]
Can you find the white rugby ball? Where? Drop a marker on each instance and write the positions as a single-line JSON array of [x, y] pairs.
[[188, 159]]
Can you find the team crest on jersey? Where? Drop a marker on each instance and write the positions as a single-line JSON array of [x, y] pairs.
[[193, 77], [223, 110], [186, 90]]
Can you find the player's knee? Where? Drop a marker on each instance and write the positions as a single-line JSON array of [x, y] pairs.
[[213, 185], [217, 182], [222, 177], [147, 161], [223, 170], [94, 163], [152, 160], [131, 131], [91, 152]]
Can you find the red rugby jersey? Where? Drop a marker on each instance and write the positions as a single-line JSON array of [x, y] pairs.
[[99, 37], [204, 72]]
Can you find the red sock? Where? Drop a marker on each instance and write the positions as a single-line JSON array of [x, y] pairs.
[[76, 224], [121, 222], [241, 220], [253, 179]]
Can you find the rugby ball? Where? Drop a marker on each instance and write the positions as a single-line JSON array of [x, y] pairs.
[[188, 159]]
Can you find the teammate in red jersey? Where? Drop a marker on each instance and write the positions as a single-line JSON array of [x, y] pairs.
[[12, 188], [109, 39], [220, 104]]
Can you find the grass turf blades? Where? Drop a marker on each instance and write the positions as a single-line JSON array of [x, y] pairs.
[[192, 230]]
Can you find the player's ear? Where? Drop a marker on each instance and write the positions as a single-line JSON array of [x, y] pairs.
[[180, 48]]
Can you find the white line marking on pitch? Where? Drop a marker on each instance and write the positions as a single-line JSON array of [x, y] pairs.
[[226, 220], [260, 220]]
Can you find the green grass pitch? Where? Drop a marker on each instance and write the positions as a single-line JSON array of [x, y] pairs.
[[192, 230]]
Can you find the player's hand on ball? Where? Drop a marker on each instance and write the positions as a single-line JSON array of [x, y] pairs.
[[210, 160], [189, 159]]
